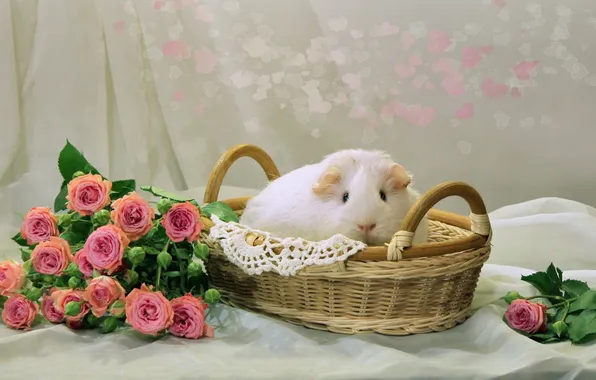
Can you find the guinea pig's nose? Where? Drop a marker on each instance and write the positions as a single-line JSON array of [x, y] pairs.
[[366, 228]]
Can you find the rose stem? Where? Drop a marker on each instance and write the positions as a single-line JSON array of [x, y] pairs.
[[165, 249], [182, 271], [563, 303], [546, 297]]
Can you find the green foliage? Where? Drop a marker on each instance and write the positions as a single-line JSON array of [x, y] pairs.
[[122, 188], [71, 160], [164, 194], [153, 259], [18, 238], [572, 311], [221, 210]]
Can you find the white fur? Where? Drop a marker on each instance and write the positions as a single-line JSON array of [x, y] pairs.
[[288, 207]]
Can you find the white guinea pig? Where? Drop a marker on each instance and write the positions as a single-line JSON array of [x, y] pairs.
[[360, 194]]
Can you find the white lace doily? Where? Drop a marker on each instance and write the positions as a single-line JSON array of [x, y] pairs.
[[295, 253]]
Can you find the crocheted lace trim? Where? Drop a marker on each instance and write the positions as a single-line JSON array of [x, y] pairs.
[[295, 253]]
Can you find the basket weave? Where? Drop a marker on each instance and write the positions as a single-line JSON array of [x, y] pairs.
[[429, 289]]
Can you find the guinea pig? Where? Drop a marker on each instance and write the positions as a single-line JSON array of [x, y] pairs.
[[361, 194]]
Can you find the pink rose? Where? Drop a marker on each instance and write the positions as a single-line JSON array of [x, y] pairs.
[[51, 256], [38, 225], [88, 194], [48, 309], [12, 277], [526, 316], [148, 312], [105, 248], [189, 318], [19, 312], [63, 296], [101, 292], [182, 221], [133, 215], [84, 265]]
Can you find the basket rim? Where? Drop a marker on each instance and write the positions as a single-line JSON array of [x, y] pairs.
[[379, 253]]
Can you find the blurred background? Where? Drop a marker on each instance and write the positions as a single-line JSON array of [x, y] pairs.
[[498, 93]]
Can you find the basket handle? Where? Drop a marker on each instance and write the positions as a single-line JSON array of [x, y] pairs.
[[228, 158], [480, 223]]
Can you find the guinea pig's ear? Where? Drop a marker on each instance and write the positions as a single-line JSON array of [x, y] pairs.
[[327, 183], [398, 177]]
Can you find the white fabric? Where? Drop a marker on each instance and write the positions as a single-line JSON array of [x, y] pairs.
[[248, 346], [294, 254], [498, 93]]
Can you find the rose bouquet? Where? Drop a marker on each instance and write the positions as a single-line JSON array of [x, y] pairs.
[[105, 258], [568, 310]]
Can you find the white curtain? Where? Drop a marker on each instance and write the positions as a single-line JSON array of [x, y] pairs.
[[497, 93]]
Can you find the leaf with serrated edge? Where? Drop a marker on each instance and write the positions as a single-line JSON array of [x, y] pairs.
[[555, 275], [575, 287], [586, 301], [542, 282], [71, 160], [584, 326]]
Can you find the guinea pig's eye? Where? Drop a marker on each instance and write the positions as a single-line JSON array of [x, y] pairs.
[[383, 196], [345, 197]]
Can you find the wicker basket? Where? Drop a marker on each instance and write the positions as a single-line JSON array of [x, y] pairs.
[[424, 288]]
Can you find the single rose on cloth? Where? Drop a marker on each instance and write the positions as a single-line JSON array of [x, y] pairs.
[[48, 308], [88, 194], [526, 316], [12, 277], [189, 318], [19, 312], [63, 296], [84, 265], [105, 248], [148, 312], [101, 292], [133, 215], [182, 221], [38, 225], [51, 256]]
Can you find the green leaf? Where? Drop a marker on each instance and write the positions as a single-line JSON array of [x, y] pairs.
[[555, 275], [221, 210], [575, 287], [60, 201], [181, 253], [123, 187], [543, 282], [72, 237], [96, 273], [164, 194], [151, 251], [18, 238], [583, 327], [586, 301], [172, 274], [71, 160]]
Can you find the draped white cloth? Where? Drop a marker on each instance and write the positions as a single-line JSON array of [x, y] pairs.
[[497, 93]]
